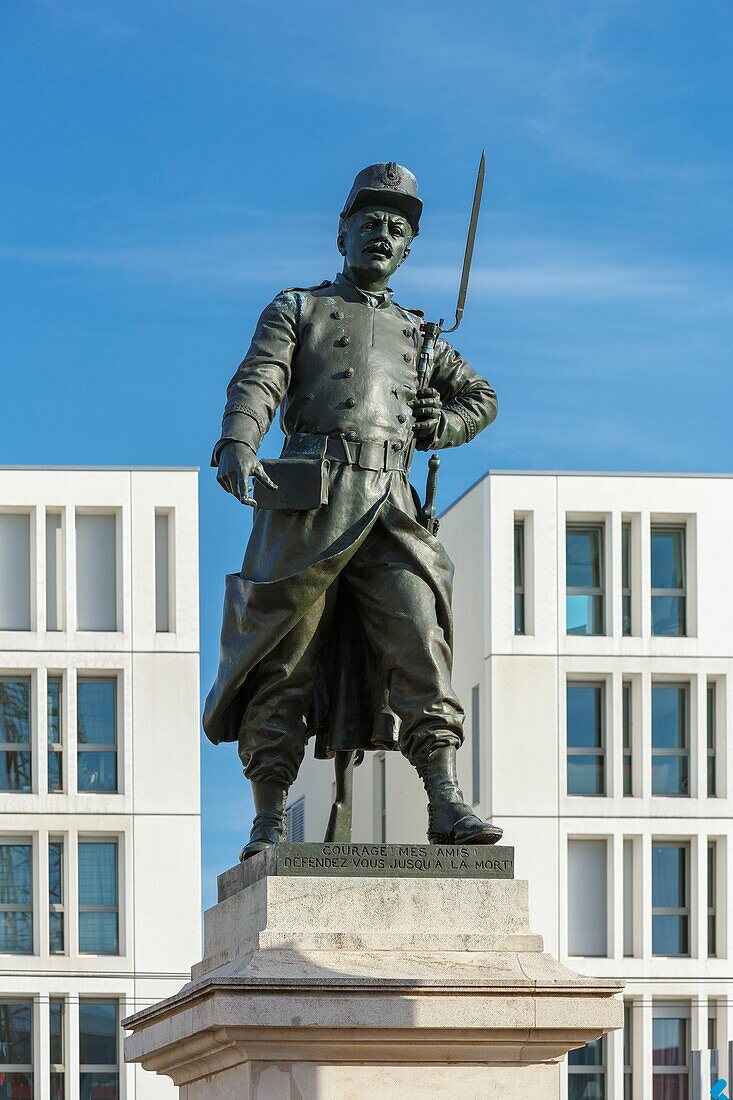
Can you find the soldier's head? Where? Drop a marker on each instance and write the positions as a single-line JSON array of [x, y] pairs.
[[378, 222]]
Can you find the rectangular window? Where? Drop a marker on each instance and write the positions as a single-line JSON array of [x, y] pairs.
[[713, 1042], [628, 757], [671, 899], [15, 735], [57, 1038], [712, 891], [98, 898], [671, 740], [475, 746], [163, 572], [586, 739], [96, 717], [295, 820], [16, 1050], [587, 898], [16, 897], [628, 1052], [96, 572], [584, 578], [99, 1049], [669, 586], [626, 578], [628, 858], [712, 738], [55, 741], [587, 1072], [54, 572], [15, 571], [380, 798], [670, 1058], [519, 582], [56, 931]]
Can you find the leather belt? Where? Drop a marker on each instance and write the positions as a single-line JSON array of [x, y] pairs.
[[367, 455]]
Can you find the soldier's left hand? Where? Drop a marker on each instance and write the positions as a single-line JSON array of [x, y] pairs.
[[426, 410]]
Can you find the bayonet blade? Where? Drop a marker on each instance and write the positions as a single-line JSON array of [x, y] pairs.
[[470, 241]]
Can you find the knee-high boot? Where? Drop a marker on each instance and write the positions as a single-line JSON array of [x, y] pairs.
[[450, 819], [269, 825]]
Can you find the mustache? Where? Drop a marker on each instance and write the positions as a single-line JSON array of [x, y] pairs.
[[382, 248]]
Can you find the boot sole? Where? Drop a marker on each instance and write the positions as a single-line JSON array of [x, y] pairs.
[[488, 836]]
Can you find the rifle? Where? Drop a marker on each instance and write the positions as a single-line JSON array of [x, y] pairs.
[[430, 331]]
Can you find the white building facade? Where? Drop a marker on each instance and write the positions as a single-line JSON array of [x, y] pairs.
[[99, 770], [594, 655]]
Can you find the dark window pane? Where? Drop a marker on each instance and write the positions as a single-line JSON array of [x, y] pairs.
[[670, 935], [583, 558], [16, 1086], [16, 1022], [16, 933], [56, 932], [55, 872], [56, 1025], [15, 874], [669, 716], [668, 558], [54, 712], [669, 876], [669, 1042], [589, 1055], [519, 613], [97, 771], [586, 1086], [584, 614], [15, 771], [57, 1086], [98, 1038], [98, 873], [669, 1086], [625, 555], [99, 1086], [626, 614], [518, 555], [96, 714], [55, 781], [15, 712], [627, 777], [585, 707], [668, 616], [98, 934], [586, 775], [670, 776]]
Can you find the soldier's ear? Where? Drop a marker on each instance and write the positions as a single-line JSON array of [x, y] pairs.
[[405, 254], [340, 244]]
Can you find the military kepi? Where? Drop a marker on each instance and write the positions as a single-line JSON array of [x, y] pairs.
[[390, 185]]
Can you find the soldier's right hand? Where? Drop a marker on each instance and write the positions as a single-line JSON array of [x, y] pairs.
[[237, 463]]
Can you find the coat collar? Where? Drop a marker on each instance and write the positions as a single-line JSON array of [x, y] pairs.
[[355, 294]]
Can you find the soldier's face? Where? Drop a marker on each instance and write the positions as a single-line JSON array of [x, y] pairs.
[[375, 243]]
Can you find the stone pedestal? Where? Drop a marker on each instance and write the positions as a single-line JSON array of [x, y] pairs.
[[333, 986]]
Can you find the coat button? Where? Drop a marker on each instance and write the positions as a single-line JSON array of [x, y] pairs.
[[336, 315], [408, 332], [343, 342], [407, 356], [351, 437], [397, 446], [350, 402], [402, 418], [349, 372]]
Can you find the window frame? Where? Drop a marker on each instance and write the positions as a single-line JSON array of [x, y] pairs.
[[57, 908], [600, 751], [663, 527], [712, 898], [598, 1069], [672, 1012], [84, 908], [628, 1049], [100, 1067], [24, 747], [675, 911], [627, 738], [21, 1067], [598, 527], [55, 747], [627, 605], [26, 841], [686, 751], [86, 677], [520, 582], [711, 733], [57, 1069]]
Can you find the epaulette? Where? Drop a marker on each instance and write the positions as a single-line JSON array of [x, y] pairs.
[[417, 312], [326, 282]]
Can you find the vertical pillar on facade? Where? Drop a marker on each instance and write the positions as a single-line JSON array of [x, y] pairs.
[[644, 1074], [72, 1064], [615, 1064], [698, 738], [645, 586], [644, 736], [40, 904], [69, 732], [42, 1044], [69, 527], [616, 899], [700, 1068], [699, 903], [72, 900], [614, 746], [39, 729], [614, 575], [644, 904]]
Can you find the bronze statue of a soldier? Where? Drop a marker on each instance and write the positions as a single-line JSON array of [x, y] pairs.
[[339, 624]]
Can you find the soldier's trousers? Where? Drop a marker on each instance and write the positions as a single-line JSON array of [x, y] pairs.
[[397, 611]]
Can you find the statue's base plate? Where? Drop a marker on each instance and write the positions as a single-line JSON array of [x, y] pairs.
[[371, 861]]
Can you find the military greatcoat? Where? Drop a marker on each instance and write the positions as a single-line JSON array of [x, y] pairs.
[[343, 364]]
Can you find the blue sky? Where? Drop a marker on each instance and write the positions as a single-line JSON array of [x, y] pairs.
[[168, 167]]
